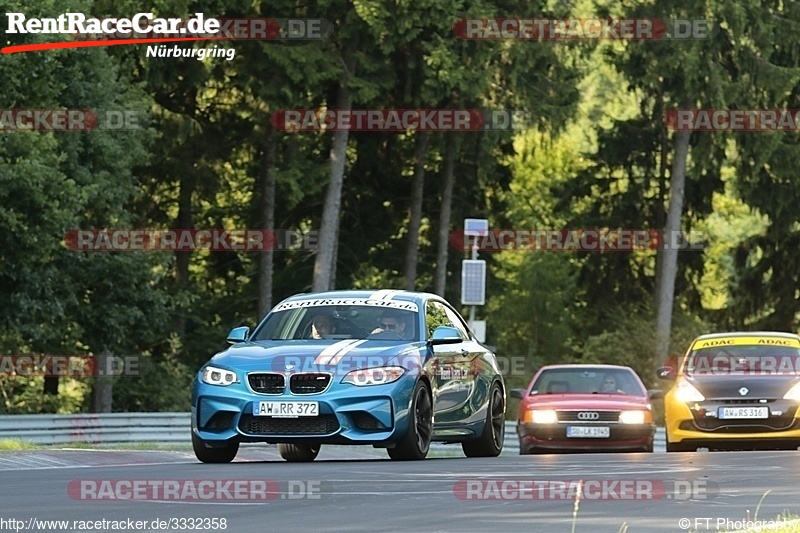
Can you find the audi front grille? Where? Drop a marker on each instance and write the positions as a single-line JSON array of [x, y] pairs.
[[588, 415]]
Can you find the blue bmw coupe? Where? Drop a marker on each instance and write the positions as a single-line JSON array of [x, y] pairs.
[[388, 368]]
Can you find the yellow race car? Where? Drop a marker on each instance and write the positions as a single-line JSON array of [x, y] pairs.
[[736, 390]]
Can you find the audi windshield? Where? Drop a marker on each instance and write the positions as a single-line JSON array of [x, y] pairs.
[[574, 381]]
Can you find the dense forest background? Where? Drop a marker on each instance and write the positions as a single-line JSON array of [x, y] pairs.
[[598, 154]]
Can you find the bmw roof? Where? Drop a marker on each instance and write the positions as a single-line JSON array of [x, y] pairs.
[[382, 294]]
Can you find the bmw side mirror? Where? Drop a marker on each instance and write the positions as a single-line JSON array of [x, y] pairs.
[[445, 335], [666, 372], [238, 335], [517, 393]]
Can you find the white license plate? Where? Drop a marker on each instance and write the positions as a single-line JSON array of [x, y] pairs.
[[596, 432], [743, 412], [286, 409]]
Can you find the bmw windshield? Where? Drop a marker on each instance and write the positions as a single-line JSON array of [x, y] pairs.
[[328, 322]]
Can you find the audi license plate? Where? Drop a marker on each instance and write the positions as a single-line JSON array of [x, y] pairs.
[[286, 409], [592, 432], [732, 413]]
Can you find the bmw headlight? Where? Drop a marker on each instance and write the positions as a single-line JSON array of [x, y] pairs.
[[218, 376], [374, 376], [687, 393], [793, 394]]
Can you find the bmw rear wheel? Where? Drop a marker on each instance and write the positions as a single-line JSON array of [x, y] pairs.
[[490, 443], [213, 454], [417, 440], [298, 453]]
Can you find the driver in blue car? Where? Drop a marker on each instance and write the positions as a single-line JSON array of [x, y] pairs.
[[392, 321]]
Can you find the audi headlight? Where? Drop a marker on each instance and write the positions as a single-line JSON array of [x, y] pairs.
[[218, 376], [374, 376], [793, 394], [687, 393], [635, 417], [543, 416]]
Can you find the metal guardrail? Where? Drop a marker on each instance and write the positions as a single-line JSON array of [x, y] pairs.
[[112, 428], [120, 428]]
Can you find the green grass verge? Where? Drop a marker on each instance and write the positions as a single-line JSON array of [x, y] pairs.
[[10, 445]]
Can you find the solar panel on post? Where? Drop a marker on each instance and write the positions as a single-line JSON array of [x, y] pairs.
[[473, 282]]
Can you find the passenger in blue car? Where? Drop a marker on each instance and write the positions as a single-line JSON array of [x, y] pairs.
[[322, 326]]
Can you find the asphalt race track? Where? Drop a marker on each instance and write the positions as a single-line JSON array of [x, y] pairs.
[[359, 489]]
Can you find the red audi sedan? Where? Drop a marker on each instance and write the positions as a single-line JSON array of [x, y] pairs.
[[568, 408]]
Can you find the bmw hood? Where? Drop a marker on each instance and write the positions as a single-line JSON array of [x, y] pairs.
[[319, 356]]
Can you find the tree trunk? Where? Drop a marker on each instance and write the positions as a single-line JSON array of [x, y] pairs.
[[669, 268], [662, 191], [265, 259], [415, 211], [335, 259], [103, 388], [182, 259], [329, 227], [440, 279]]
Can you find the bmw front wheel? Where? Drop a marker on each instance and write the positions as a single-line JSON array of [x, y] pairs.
[[417, 440]]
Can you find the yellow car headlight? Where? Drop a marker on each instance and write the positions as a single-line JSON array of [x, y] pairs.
[[793, 394], [687, 393]]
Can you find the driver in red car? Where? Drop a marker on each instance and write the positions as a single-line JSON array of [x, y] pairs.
[[610, 386]]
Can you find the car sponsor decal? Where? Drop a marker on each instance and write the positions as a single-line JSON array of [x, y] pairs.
[[746, 341], [333, 353], [344, 351], [384, 294], [331, 350], [395, 304]]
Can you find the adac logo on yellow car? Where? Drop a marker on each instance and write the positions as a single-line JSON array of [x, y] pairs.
[[745, 341]]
